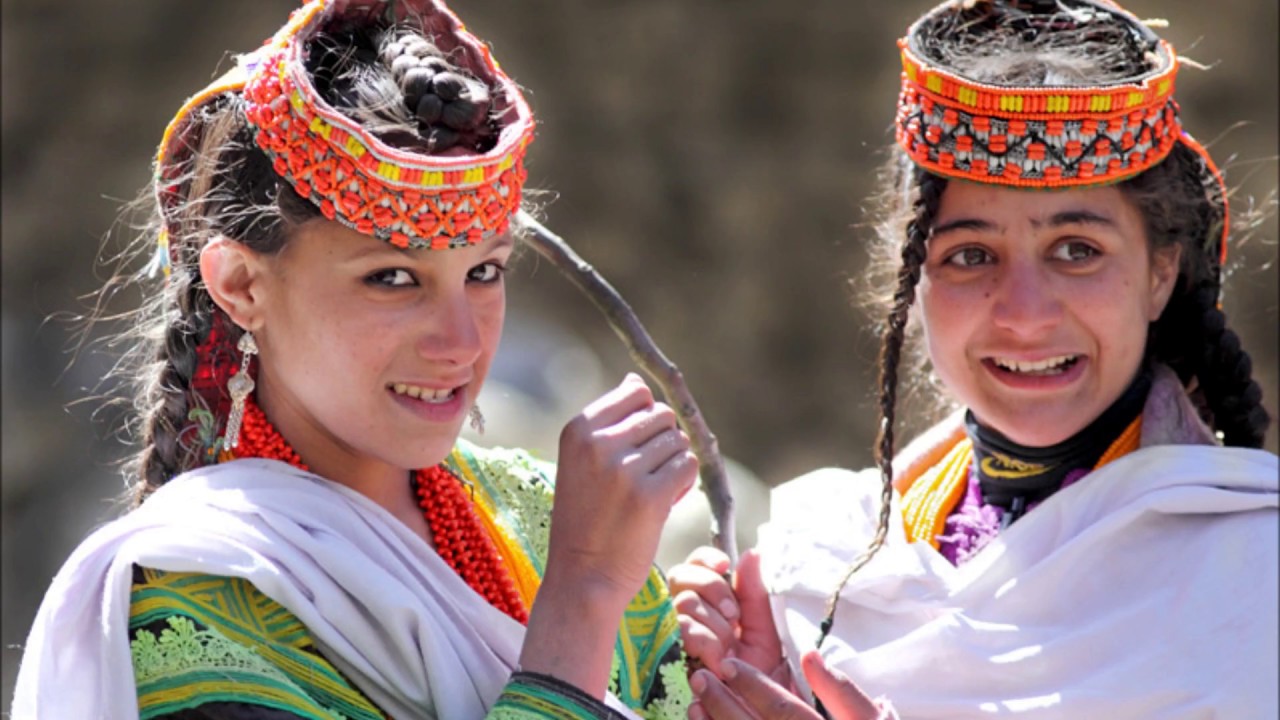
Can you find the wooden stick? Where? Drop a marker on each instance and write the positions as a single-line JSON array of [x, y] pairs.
[[645, 352]]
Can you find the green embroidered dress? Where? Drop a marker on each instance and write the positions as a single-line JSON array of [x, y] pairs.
[[209, 647]]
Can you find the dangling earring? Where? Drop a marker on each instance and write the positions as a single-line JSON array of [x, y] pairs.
[[240, 385], [477, 419]]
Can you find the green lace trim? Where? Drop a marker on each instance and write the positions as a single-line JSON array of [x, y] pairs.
[[186, 667]]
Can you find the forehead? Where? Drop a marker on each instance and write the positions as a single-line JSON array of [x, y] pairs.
[[990, 202]]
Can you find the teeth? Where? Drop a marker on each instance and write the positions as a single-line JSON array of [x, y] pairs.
[[1048, 366], [421, 393]]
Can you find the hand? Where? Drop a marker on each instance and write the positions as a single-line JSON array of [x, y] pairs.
[[748, 694], [719, 619], [623, 463]]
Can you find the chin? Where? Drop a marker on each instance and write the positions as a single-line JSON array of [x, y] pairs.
[[1039, 429]]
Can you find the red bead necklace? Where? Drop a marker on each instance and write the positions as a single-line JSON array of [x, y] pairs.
[[459, 536]]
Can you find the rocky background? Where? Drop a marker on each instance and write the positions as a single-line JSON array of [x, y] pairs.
[[711, 158]]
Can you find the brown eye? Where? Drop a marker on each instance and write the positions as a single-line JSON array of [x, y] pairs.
[[391, 277], [486, 273], [1074, 251], [969, 257]]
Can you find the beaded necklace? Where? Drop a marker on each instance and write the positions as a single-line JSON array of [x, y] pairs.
[[459, 536]]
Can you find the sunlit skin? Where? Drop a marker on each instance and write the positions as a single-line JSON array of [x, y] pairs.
[[340, 318], [1026, 277]]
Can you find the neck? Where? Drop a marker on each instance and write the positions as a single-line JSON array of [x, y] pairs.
[[1014, 476], [387, 485]]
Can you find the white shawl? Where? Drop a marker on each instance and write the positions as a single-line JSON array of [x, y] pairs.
[[381, 604], [1148, 589]]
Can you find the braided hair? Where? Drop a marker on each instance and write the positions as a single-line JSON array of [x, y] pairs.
[[393, 80], [1178, 200]]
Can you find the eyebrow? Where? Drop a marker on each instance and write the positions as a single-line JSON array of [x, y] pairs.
[[1066, 217]]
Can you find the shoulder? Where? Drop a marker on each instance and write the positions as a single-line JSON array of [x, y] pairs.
[[508, 466], [198, 640]]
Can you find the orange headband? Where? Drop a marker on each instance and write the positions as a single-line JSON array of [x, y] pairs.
[[407, 198], [1041, 137]]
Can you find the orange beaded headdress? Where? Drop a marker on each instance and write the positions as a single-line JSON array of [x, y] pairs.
[[1043, 136], [411, 199]]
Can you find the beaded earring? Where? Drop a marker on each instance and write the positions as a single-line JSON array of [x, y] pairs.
[[476, 419], [240, 385]]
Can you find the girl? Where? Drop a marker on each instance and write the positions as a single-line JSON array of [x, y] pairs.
[[1094, 534], [311, 539]]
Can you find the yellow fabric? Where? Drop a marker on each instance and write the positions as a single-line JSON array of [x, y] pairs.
[[932, 495], [526, 577]]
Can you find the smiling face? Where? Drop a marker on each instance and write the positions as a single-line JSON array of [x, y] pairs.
[[1035, 304], [371, 356]]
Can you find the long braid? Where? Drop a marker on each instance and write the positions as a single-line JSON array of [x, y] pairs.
[[169, 398], [1191, 336], [914, 252]]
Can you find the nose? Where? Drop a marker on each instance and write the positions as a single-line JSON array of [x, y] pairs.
[[450, 334], [1026, 301]]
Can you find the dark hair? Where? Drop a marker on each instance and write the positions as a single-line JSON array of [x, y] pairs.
[[1035, 43], [390, 78]]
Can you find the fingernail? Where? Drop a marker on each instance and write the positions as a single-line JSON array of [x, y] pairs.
[[695, 712], [729, 668], [698, 683], [729, 609]]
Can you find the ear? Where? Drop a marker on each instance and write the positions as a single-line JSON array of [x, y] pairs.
[[1165, 263], [233, 275]]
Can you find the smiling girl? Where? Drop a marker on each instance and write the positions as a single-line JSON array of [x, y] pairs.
[[1093, 535], [310, 538]]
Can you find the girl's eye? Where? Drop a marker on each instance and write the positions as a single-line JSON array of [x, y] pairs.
[[969, 257], [486, 273], [392, 277], [1074, 251]]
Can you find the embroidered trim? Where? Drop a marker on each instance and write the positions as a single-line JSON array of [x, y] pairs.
[[185, 668]]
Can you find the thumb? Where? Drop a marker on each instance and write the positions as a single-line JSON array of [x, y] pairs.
[[753, 602], [842, 699]]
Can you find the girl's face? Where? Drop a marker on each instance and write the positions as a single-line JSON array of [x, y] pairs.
[[371, 356], [1035, 304]]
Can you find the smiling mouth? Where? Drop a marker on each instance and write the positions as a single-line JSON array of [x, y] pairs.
[[428, 395], [1038, 368]]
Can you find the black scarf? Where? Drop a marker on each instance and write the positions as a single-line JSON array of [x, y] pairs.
[[1013, 476]]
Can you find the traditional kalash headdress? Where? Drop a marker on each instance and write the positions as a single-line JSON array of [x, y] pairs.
[[1042, 136], [410, 198]]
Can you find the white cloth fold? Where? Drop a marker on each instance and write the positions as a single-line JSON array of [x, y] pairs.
[[382, 606], [1148, 589]]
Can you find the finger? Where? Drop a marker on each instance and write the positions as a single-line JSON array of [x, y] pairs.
[[843, 699], [766, 698], [753, 603], [708, 585], [717, 701], [701, 644], [644, 426], [631, 395], [678, 474], [689, 604], [710, 558]]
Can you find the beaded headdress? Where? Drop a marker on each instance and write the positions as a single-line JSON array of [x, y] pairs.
[[445, 195], [1047, 135], [411, 199]]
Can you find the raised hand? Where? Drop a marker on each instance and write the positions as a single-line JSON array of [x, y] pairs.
[[623, 463], [725, 617]]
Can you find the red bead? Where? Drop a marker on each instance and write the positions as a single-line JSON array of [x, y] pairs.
[[460, 538]]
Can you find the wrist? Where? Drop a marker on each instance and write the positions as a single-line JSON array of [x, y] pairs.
[[572, 630]]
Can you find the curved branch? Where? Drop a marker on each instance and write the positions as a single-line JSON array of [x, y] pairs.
[[646, 354]]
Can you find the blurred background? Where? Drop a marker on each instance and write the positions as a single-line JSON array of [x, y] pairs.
[[712, 159]]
